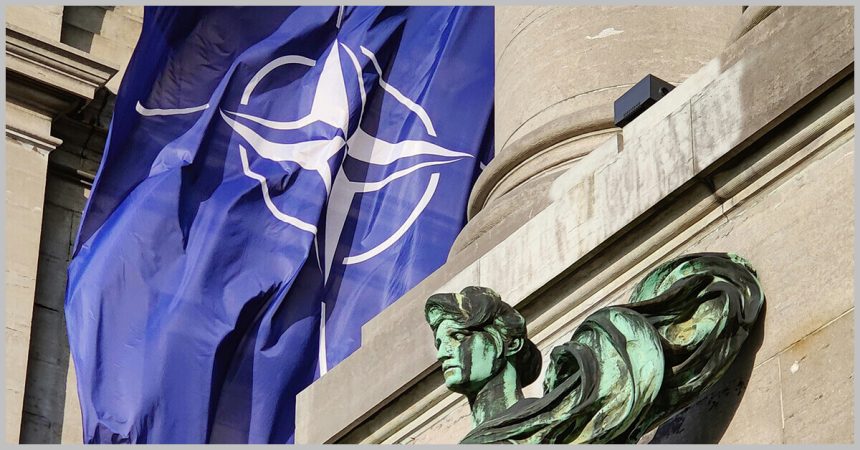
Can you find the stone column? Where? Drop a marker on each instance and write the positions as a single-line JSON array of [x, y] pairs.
[[559, 70], [44, 79], [28, 142]]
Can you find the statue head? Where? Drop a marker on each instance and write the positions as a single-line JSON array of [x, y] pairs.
[[476, 336]]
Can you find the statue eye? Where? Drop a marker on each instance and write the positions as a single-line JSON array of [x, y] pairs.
[[459, 335]]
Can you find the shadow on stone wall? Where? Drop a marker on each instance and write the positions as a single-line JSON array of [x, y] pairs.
[[81, 24], [706, 420]]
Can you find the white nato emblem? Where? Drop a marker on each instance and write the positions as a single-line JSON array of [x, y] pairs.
[[330, 106]]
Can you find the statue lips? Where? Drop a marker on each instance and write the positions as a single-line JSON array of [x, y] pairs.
[[449, 369]]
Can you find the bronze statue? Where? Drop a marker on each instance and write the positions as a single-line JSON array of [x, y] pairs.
[[625, 370]]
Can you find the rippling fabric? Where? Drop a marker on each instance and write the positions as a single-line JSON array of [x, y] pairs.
[[274, 177]]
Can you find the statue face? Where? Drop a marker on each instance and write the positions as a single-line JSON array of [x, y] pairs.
[[469, 358]]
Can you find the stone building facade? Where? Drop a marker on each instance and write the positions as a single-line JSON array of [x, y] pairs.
[[63, 68], [751, 153]]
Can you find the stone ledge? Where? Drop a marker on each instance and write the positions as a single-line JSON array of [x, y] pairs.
[[751, 17], [29, 127], [555, 242], [55, 64], [42, 144], [528, 146]]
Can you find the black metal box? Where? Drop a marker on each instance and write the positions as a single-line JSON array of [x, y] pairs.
[[639, 98]]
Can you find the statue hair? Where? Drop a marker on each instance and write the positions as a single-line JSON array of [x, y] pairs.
[[478, 308]]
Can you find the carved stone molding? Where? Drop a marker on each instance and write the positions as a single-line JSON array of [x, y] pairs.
[[558, 71], [48, 74], [751, 17], [41, 144]]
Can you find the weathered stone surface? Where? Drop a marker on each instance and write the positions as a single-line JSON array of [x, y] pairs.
[[86, 18], [651, 166], [29, 123], [25, 243], [56, 245], [557, 60], [751, 17], [527, 168], [51, 345], [448, 428], [55, 64], [516, 207], [559, 70], [509, 20], [25, 188], [72, 421], [796, 232], [46, 413], [742, 409], [43, 19], [124, 27], [78, 38], [17, 316], [51, 282], [133, 12], [733, 109], [541, 247], [40, 426], [16, 344], [109, 33], [44, 400], [65, 194], [113, 50], [818, 385]]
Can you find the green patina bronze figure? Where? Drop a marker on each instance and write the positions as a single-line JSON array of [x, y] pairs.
[[625, 370]]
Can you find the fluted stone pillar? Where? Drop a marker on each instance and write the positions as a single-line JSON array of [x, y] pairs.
[[559, 70]]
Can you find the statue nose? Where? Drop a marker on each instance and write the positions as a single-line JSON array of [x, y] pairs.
[[443, 353]]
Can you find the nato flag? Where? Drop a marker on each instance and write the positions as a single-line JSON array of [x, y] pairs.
[[273, 178]]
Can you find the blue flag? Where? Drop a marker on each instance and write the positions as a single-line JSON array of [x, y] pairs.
[[274, 177]]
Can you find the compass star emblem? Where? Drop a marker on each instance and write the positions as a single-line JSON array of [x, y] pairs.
[[327, 154], [330, 106]]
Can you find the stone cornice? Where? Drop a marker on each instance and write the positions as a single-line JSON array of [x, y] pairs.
[[541, 139], [751, 17], [39, 96], [55, 65], [41, 144]]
